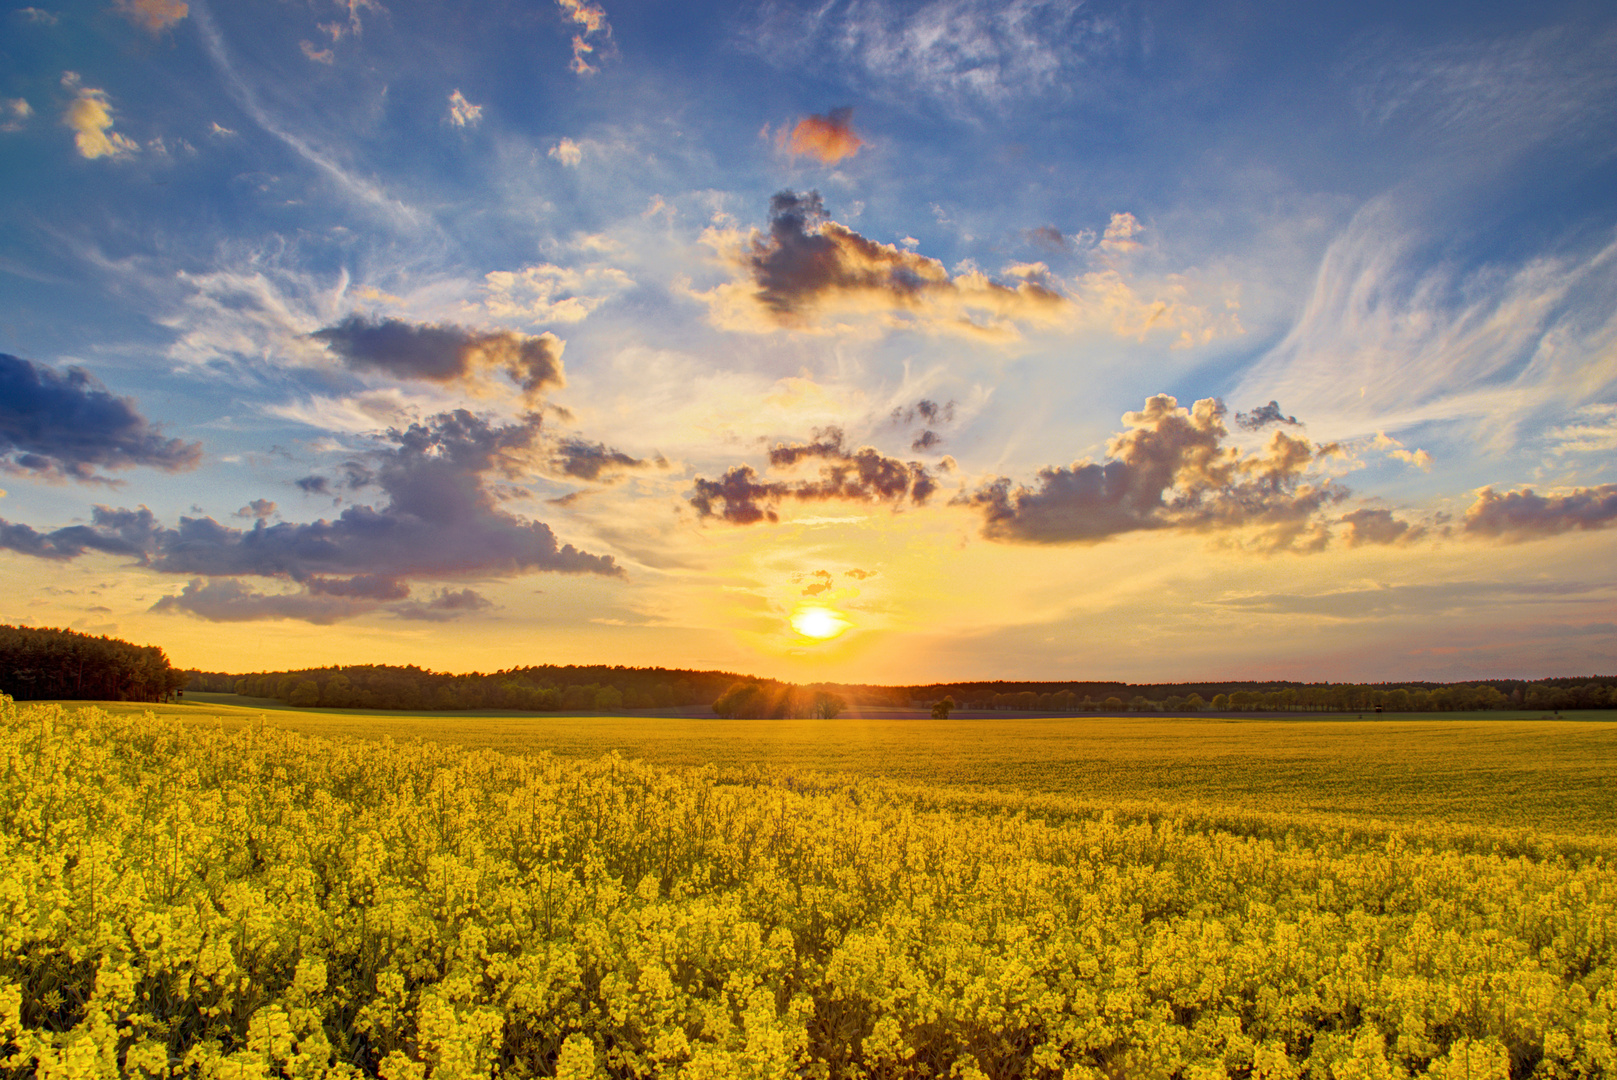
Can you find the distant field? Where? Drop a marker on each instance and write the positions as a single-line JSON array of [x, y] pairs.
[[1496, 769]]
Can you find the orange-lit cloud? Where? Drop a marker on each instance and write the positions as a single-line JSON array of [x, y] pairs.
[[1525, 515], [154, 15], [463, 113], [829, 138], [810, 266], [1169, 470], [593, 19], [90, 117]]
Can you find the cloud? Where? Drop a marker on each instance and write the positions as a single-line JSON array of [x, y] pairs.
[[584, 460], [258, 508], [318, 55], [39, 16], [1593, 430], [90, 117], [154, 15], [863, 475], [1524, 515], [463, 113], [1396, 450], [1263, 416], [829, 138], [1048, 236], [1120, 234], [810, 266], [860, 575], [441, 522], [544, 293], [1379, 527], [443, 607], [14, 114], [567, 152], [228, 600], [445, 353], [954, 51], [593, 20], [65, 425], [1170, 470], [111, 532]]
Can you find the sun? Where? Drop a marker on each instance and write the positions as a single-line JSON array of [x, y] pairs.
[[818, 622]]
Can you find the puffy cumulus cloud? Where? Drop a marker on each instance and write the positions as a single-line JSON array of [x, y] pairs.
[[810, 266], [132, 533], [445, 353], [1396, 450], [258, 509], [1120, 233], [66, 425], [441, 522], [865, 475], [592, 19], [829, 138], [154, 15], [1169, 470], [544, 293], [90, 117], [1522, 515], [1264, 416], [463, 113], [1369, 527], [14, 114], [567, 152]]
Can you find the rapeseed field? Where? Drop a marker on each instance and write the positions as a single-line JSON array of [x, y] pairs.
[[180, 899]]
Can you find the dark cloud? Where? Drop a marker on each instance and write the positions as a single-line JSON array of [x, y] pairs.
[[113, 532], [361, 586], [1524, 515], [590, 461], [930, 412], [925, 441], [441, 522], [443, 607], [446, 353], [1048, 236], [863, 475], [1367, 527], [228, 600], [1263, 416], [314, 485], [65, 425], [1170, 470], [810, 261], [258, 508]]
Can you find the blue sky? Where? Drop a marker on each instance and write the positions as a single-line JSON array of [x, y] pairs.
[[481, 335]]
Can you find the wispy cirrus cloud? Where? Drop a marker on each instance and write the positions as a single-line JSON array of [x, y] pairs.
[[955, 52]]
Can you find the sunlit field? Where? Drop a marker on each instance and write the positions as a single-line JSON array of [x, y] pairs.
[[211, 893], [1493, 769]]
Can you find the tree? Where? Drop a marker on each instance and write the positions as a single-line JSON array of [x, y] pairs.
[[304, 694], [1221, 703], [737, 700], [942, 709], [827, 705]]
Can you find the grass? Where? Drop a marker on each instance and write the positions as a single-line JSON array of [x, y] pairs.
[[1491, 769]]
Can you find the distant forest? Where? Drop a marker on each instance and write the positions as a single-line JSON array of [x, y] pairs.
[[573, 688], [64, 664]]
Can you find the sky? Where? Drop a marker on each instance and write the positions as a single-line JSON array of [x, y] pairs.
[[844, 340]]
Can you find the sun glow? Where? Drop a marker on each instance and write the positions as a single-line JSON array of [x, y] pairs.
[[820, 623]]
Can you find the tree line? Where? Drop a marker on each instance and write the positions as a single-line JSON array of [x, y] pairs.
[[540, 688], [50, 664], [1589, 692]]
